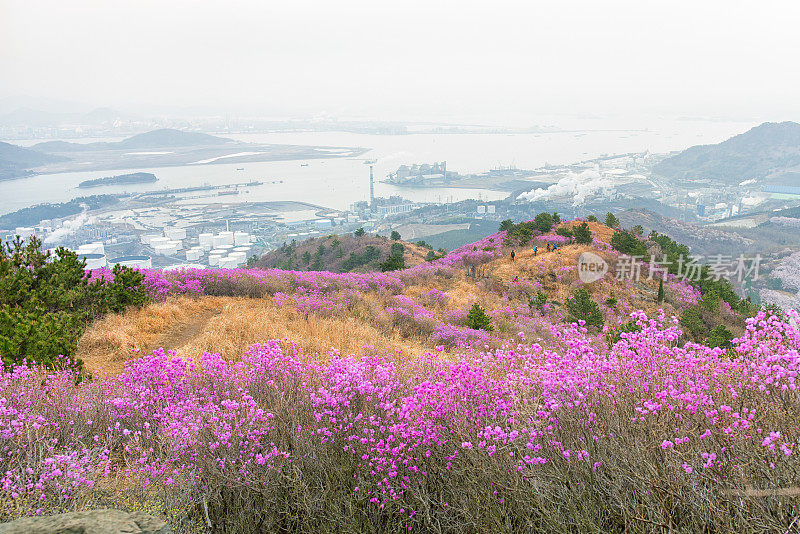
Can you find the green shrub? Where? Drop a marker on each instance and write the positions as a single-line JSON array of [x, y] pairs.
[[359, 232], [720, 337], [397, 249], [395, 236], [582, 234], [46, 301], [544, 222], [564, 231], [369, 255], [477, 319], [538, 302], [582, 307], [393, 263], [626, 242], [611, 220]]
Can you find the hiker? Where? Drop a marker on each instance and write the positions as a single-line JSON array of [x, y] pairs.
[[516, 280], [535, 250], [548, 247], [512, 255]]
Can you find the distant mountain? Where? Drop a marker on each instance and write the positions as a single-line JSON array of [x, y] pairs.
[[15, 161], [164, 138], [34, 117], [172, 138], [762, 152]]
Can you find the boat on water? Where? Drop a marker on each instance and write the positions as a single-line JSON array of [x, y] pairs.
[[304, 164], [240, 168]]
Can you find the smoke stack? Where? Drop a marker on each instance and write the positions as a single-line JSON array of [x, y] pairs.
[[371, 188]]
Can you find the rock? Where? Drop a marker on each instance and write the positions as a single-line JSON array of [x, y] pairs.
[[88, 522]]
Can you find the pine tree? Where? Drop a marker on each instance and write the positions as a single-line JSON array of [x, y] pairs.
[[660, 297]]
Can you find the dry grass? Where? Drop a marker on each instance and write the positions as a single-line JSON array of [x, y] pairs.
[[229, 326]]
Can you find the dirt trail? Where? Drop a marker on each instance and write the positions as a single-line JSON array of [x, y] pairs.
[[183, 332]]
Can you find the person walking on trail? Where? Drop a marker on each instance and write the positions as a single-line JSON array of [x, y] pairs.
[[548, 247], [535, 250], [512, 255]]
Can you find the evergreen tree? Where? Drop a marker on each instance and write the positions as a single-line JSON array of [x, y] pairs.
[[478, 319], [582, 234], [581, 307]]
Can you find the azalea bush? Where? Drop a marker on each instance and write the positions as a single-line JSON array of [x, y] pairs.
[[645, 435]]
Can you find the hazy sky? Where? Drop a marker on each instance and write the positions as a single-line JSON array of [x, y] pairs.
[[460, 60]]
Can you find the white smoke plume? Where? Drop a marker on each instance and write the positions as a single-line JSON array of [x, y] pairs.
[[579, 186], [67, 228]]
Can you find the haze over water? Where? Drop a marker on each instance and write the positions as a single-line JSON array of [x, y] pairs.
[[338, 182]]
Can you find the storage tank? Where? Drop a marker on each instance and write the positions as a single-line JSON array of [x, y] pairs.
[[223, 238], [167, 249], [240, 256], [134, 262], [92, 248], [93, 261], [241, 238], [206, 240], [147, 238], [213, 259], [246, 250], [25, 231], [175, 233], [177, 244], [228, 263], [157, 241], [193, 254]]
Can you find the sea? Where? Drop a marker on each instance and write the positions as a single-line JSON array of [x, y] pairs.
[[338, 182]]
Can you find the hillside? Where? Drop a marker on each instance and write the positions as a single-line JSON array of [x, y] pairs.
[[470, 390], [339, 254], [434, 297], [768, 149], [16, 161]]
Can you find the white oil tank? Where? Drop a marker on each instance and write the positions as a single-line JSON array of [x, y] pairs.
[[147, 238], [92, 248], [213, 259], [167, 249], [193, 254], [227, 238], [175, 234], [241, 238], [228, 263], [93, 261], [206, 240], [241, 257]]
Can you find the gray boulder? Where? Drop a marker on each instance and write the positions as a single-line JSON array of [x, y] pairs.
[[89, 522]]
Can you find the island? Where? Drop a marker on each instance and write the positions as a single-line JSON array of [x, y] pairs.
[[122, 179]]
